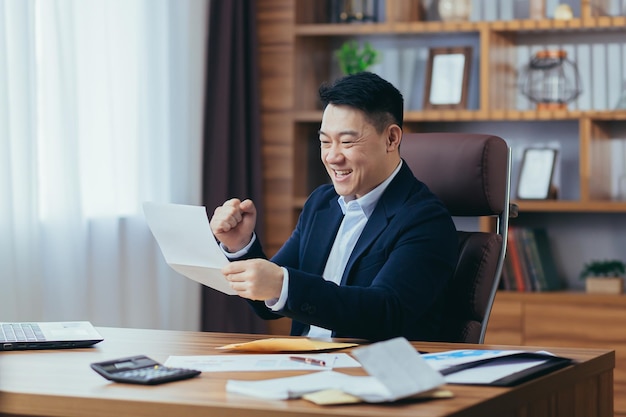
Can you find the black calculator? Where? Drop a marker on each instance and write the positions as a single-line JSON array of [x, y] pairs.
[[141, 370]]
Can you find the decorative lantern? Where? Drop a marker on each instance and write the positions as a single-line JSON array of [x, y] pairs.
[[551, 80]]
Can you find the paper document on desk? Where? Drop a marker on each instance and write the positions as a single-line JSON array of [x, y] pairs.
[[493, 367], [266, 362], [395, 369], [451, 358], [297, 386], [187, 243]]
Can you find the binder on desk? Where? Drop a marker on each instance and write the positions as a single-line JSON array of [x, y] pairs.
[[501, 368]]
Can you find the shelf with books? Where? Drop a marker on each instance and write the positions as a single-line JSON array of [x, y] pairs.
[[297, 44], [529, 263]]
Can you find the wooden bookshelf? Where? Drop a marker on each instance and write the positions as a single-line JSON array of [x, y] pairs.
[[296, 47], [296, 44]]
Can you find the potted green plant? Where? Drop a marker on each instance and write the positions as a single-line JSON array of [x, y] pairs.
[[605, 276], [353, 58]]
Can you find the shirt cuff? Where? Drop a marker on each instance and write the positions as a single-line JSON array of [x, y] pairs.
[[276, 304], [241, 252]]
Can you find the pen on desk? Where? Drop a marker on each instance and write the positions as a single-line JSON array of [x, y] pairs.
[[310, 361]]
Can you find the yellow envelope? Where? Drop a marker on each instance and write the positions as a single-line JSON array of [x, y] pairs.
[[331, 397], [278, 344], [338, 397]]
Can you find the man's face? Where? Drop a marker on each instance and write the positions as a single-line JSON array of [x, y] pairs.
[[354, 154]]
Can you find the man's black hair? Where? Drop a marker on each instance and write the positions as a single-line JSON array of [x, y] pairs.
[[381, 102]]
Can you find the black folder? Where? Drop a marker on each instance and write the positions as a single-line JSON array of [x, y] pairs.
[[551, 363]]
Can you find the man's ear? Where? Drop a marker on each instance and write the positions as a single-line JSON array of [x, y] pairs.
[[394, 137]]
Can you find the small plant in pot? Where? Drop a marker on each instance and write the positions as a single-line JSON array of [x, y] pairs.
[[605, 277], [354, 59]]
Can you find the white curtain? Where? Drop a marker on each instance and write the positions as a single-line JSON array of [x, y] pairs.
[[100, 110]]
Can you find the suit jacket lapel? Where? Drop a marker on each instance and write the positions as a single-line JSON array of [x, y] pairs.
[[389, 203], [323, 231]]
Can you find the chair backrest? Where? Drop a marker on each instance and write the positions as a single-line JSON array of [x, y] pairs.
[[470, 173]]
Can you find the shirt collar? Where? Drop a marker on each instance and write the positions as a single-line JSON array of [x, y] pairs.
[[369, 200]]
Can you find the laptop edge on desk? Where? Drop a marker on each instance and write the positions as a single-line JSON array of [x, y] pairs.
[[47, 335]]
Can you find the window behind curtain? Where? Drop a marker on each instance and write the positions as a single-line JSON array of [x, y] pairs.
[[100, 110]]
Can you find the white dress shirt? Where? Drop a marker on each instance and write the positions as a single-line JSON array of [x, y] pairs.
[[356, 213]]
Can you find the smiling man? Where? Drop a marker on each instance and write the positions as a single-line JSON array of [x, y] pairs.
[[371, 253]]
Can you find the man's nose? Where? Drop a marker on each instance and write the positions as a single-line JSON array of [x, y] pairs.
[[333, 153]]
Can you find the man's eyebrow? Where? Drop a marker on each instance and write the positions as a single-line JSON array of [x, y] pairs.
[[344, 132]]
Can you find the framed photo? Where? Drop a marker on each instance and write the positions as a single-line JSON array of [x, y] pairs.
[[447, 78], [354, 11], [535, 178]]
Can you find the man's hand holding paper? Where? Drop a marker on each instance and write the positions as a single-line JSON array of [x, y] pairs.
[[187, 243], [255, 279]]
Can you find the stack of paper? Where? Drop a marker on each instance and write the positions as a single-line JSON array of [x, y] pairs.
[[395, 370]]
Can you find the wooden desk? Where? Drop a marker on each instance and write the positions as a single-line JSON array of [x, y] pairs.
[[564, 319], [61, 383]]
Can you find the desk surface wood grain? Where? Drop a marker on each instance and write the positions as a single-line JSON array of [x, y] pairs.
[[61, 383]]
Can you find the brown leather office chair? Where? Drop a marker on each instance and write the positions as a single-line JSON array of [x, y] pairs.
[[470, 173]]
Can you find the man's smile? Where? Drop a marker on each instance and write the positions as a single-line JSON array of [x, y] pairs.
[[342, 172]]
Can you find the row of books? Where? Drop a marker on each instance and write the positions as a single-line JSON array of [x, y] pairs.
[[529, 264]]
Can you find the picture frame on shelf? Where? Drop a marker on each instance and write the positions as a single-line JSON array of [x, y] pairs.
[[354, 11], [536, 174], [447, 78]]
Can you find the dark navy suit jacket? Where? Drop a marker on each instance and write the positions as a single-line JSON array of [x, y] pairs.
[[394, 279]]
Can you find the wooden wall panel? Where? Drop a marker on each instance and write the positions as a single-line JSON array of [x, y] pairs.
[[276, 60], [505, 324], [277, 181], [564, 320], [592, 326], [574, 325]]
